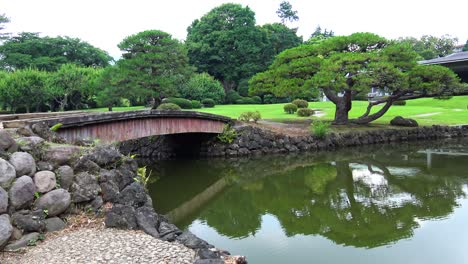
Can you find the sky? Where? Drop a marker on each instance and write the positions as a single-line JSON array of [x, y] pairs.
[[104, 23]]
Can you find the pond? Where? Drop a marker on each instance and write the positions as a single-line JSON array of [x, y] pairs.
[[402, 203]]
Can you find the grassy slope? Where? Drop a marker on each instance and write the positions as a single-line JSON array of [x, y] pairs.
[[452, 111]]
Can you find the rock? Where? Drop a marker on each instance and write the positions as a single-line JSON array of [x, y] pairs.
[[30, 143], [44, 166], [124, 176], [7, 143], [24, 163], [121, 216], [97, 203], [406, 122], [61, 155], [54, 224], [110, 191], [168, 232], [24, 241], [25, 131], [7, 174], [191, 241], [44, 181], [86, 165], [22, 192], [133, 195], [205, 253], [105, 155], [65, 176], [17, 234], [55, 202], [29, 222], [3, 201], [6, 229], [209, 261], [84, 187], [43, 131], [147, 220]]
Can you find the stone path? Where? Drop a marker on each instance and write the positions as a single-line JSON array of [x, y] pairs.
[[94, 245]]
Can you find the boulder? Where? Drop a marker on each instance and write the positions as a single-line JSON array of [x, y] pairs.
[[147, 220], [209, 261], [22, 192], [132, 195], [45, 166], [65, 175], [24, 241], [7, 174], [406, 122], [24, 163], [54, 224], [206, 253], [121, 216], [168, 232], [191, 241], [86, 165], [61, 155], [6, 229], [55, 202], [30, 143], [25, 131], [7, 143], [29, 221], [44, 181], [110, 191], [42, 129], [17, 234], [105, 155], [3, 201], [84, 187], [96, 204]]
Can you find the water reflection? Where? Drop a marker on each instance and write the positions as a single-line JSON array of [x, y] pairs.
[[364, 197]]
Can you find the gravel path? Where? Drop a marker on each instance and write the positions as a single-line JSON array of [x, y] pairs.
[[103, 246]]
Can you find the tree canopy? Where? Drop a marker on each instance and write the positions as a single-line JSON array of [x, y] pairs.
[[465, 47], [430, 47], [29, 50], [345, 66], [226, 44], [285, 12]]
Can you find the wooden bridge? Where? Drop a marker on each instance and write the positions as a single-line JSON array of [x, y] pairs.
[[121, 126]]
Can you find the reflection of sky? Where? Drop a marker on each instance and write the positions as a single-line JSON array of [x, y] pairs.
[[439, 241]]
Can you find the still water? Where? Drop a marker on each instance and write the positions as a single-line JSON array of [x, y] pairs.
[[381, 204]]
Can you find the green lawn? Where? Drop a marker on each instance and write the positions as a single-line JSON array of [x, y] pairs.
[[450, 112]]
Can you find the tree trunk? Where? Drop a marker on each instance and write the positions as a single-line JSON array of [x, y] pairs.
[[109, 108], [341, 113]]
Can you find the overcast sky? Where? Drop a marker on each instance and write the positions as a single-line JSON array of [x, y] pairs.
[[104, 23]]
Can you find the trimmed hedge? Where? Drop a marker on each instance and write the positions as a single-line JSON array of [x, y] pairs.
[[208, 103], [247, 116], [168, 106], [305, 112], [182, 102], [290, 108], [196, 104], [301, 103]]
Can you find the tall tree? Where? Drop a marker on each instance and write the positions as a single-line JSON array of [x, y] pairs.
[[3, 21], [279, 38], [226, 44], [430, 47], [465, 48], [343, 67], [320, 35], [285, 12], [153, 64], [49, 53]]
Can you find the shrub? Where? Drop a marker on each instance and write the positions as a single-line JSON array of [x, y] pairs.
[[402, 102], [305, 112], [182, 102], [271, 99], [301, 103], [208, 102], [228, 135], [201, 86], [168, 106], [250, 115], [257, 99], [290, 108], [232, 96], [320, 129], [196, 104], [249, 100]]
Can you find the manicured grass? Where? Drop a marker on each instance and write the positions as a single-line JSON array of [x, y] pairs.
[[449, 112]]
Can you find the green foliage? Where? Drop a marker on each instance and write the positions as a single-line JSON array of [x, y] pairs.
[[320, 129], [271, 99], [208, 102], [28, 50], [285, 12], [232, 96], [201, 86], [228, 135], [290, 108], [320, 35], [56, 127], [37, 195], [279, 38], [301, 103], [465, 47], [249, 100], [183, 103], [169, 106], [196, 104], [144, 174], [305, 112], [430, 47], [401, 102], [226, 44], [250, 116]]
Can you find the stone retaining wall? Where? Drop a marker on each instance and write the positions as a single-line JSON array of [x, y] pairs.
[[256, 141]]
